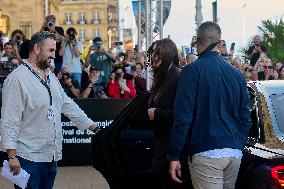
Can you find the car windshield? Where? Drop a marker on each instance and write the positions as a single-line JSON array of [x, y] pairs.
[[278, 105]]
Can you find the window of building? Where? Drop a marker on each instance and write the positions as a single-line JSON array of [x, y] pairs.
[[26, 27], [4, 24], [82, 18], [68, 18], [96, 18], [82, 34], [96, 33]]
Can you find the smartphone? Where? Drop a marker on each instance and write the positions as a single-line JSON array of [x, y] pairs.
[[232, 46]]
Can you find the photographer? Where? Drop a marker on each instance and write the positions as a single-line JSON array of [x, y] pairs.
[[11, 49], [254, 51], [119, 87], [95, 87], [71, 50], [21, 43], [49, 25], [100, 58], [139, 81], [67, 83]]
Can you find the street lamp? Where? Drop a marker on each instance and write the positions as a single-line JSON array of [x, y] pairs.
[[198, 14], [244, 23], [46, 7]]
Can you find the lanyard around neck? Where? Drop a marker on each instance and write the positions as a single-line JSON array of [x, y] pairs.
[[71, 50], [45, 83]]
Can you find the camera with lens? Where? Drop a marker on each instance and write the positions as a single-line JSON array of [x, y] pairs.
[[50, 24], [72, 36], [66, 75], [122, 56], [18, 38]]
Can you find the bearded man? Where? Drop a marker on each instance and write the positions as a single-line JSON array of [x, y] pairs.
[[33, 101]]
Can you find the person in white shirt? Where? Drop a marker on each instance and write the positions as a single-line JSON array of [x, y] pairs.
[[71, 49], [33, 100]]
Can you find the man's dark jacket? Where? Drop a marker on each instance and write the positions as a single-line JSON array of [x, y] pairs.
[[211, 107]]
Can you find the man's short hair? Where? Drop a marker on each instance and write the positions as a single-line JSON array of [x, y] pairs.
[[50, 18], [208, 33], [40, 38], [17, 31], [96, 39], [9, 43], [71, 30]]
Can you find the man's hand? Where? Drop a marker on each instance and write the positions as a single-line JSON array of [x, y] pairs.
[[254, 51], [14, 166], [101, 49], [175, 171], [2, 53], [258, 49], [151, 113], [67, 82], [93, 127], [125, 88]]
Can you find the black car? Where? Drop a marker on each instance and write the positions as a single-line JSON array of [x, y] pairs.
[[122, 152]]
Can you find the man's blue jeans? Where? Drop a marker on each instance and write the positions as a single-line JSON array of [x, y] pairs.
[[42, 173]]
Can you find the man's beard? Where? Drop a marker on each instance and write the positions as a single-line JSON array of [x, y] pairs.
[[43, 63]]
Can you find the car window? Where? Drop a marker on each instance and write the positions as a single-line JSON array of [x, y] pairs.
[[278, 105], [254, 130]]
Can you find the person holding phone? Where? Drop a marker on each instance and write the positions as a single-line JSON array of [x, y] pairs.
[[119, 87], [254, 51]]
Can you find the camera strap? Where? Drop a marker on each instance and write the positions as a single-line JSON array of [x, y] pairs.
[[71, 50], [45, 83], [50, 112]]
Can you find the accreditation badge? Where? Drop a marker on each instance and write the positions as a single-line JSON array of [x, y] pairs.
[[50, 113]]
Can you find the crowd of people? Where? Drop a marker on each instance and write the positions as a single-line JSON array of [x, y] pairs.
[[102, 74], [107, 74], [197, 106]]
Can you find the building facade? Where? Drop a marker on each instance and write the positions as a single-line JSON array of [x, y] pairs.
[[91, 18], [20, 15]]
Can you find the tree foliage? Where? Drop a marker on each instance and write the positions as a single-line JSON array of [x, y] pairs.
[[273, 38]]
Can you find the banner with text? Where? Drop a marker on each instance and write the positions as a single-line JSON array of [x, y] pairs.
[[77, 143]]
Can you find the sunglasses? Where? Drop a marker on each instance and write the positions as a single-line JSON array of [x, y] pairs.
[[270, 67]]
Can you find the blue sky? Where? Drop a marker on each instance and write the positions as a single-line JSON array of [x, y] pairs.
[[181, 23]]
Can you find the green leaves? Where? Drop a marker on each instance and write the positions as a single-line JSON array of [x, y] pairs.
[[273, 39]]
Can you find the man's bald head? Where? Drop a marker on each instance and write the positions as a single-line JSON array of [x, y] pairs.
[[257, 39]]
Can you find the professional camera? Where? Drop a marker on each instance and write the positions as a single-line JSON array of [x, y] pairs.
[[66, 75], [50, 24], [72, 36], [18, 38], [122, 56]]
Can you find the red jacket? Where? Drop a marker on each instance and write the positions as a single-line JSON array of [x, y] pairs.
[[114, 90]]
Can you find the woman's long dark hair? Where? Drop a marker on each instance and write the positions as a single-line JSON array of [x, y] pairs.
[[167, 51]]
